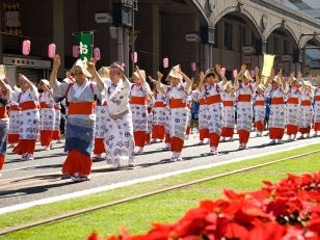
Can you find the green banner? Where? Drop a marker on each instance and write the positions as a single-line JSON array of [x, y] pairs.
[[84, 40]]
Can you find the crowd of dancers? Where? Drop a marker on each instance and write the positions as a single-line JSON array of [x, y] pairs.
[[109, 116]]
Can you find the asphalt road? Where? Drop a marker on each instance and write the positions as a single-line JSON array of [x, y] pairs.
[[27, 181]]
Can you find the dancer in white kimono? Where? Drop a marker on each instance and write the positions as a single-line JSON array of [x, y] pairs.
[[119, 138], [228, 111], [277, 119], [306, 109], [177, 93], [139, 96], [211, 90], [244, 95], [292, 107], [47, 115], [30, 118], [15, 115], [317, 108]]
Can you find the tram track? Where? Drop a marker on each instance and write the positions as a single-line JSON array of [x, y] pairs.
[[144, 195]]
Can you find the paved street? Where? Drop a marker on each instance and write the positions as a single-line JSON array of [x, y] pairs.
[[27, 181]]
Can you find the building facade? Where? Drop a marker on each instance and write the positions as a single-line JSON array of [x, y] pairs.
[[192, 33]]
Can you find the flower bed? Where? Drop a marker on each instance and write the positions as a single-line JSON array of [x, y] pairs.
[[289, 210]]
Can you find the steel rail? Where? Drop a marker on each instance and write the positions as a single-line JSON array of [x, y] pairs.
[[144, 195]]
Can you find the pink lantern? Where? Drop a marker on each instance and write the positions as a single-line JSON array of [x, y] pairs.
[[165, 62], [134, 57], [26, 47], [223, 71], [235, 73], [193, 66], [75, 51], [96, 54], [51, 50]]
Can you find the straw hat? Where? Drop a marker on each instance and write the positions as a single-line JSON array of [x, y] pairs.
[[142, 73], [117, 66], [83, 66], [210, 71], [228, 84], [277, 79], [104, 72], [247, 75], [307, 83], [45, 81], [175, 72], [261, 87]]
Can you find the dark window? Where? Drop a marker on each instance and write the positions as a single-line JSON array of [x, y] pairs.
[[228, 36]]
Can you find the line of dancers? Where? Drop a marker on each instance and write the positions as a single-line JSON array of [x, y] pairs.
[[108, 114]]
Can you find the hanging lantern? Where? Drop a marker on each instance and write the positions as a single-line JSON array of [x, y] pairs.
[[51, 50], [75, 51], [26, 47], [134, 57], [223, 71], [96, 54], [235, 73], [193, 66], [165, 62]]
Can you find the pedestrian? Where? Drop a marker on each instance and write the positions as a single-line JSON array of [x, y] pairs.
[[5, 95], [119, 138], [80, 122], [30, 119], [47, 115]]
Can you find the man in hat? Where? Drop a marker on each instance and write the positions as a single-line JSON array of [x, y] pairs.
[[140, 94], [81, 118], [119, 137], [177, 93], [5, 94], [47, 114]]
